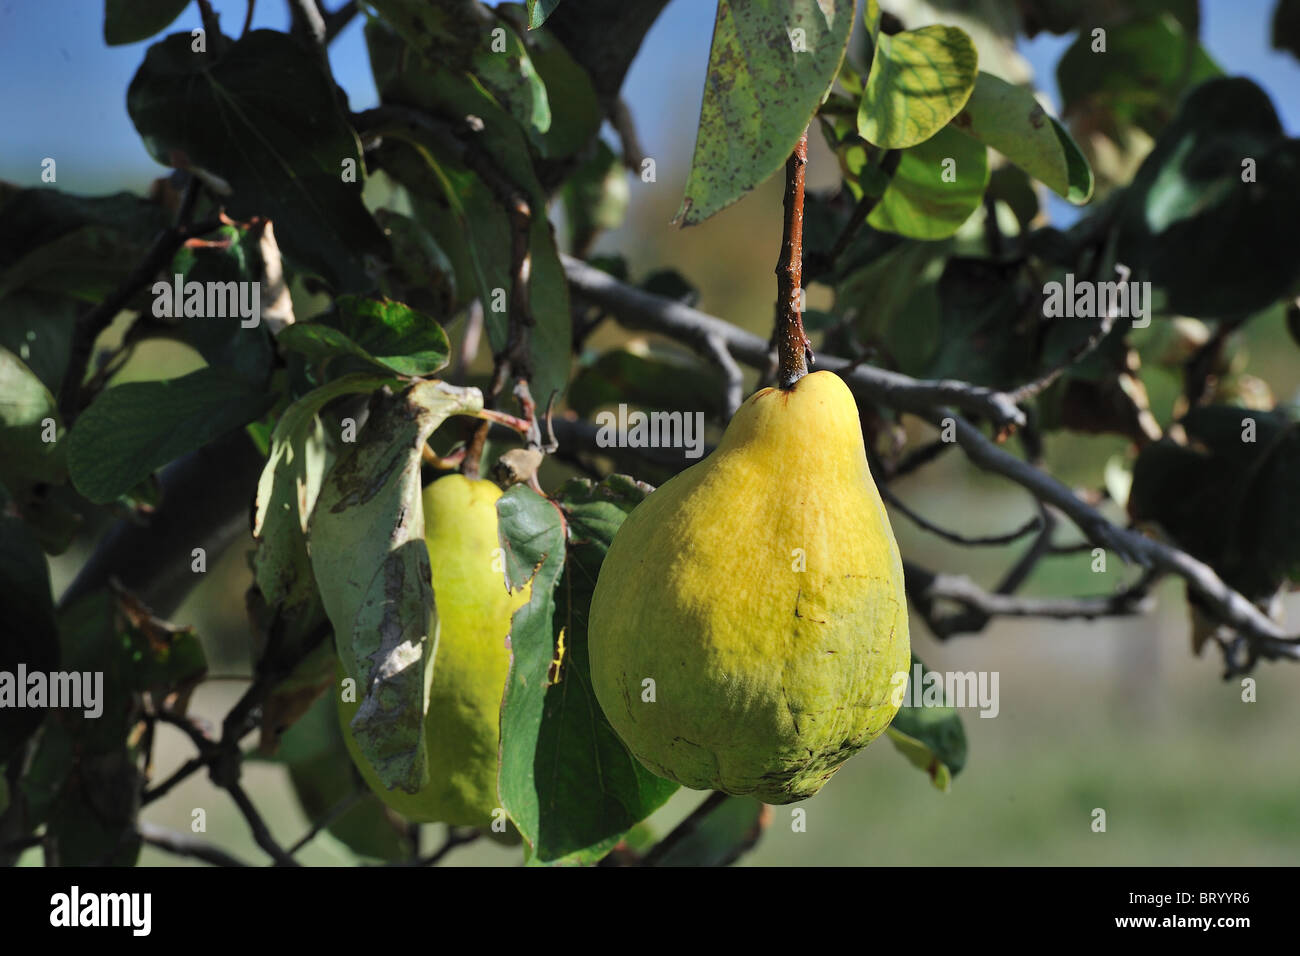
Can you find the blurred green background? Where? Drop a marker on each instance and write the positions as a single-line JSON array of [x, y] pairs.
[[1117, 714]]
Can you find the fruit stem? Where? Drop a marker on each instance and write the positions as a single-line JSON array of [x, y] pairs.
[[792, 345]]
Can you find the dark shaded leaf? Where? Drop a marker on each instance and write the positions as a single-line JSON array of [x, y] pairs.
[[263, 116], [130, 430]]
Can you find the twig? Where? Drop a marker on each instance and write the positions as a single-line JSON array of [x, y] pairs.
[[685, 829], [635, 308], [255, 823], [916, 458], [620, 117], [211, 24], [792, 345], [735, 393], [336, 811], [925, 587], [248, 18], [337, 22], [184, 845], [308, 14], [186, 770], [453, 839], [1030, 526]]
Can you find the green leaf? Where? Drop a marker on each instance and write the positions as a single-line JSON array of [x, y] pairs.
[[1009, 119], [764, 84], [366, 541], [726, 834], [930, 737], [567, 781], [919, 203], [130, 430], [1147, 65], [283, 155], [460, 36], [575, 110], [130, 21], [387, 334], [532, 534], [539, 10], [919, 80], [1190, 222]]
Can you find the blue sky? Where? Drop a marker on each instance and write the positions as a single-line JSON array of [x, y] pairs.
[[63, 92]]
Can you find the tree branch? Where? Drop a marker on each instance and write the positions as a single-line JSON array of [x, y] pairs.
[[925, 587], [638, 309]]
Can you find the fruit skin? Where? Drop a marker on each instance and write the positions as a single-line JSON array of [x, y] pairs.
[[766, 678], [462, 728]]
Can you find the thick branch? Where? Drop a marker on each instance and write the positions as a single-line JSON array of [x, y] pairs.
[[638, 309]]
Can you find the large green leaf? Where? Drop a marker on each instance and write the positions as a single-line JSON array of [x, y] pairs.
[[130, 21], [920, 201], [919, 80], [366, 541], [764, 84], [1192, 223], [130, 430], [567, 780], [1009, 119], [263, 115]]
